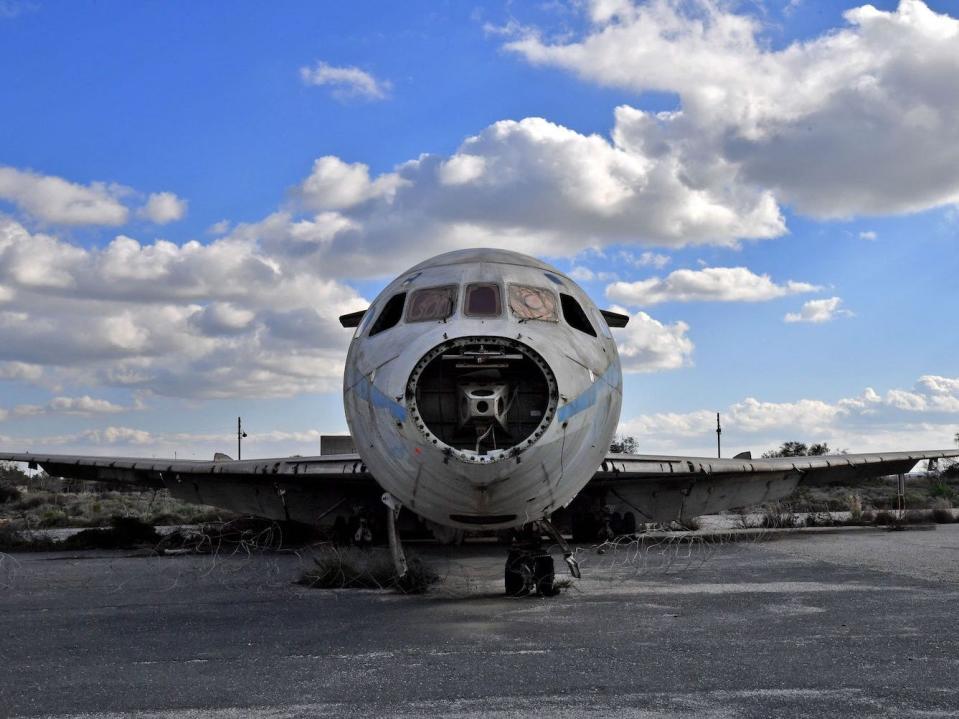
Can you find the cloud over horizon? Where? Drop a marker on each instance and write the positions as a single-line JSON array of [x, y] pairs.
[[928, 414]]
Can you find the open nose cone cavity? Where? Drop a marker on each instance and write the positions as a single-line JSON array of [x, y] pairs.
[[484, 402], [482, 398]]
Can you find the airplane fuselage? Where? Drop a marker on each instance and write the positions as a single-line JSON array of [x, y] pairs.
[[482, 389]]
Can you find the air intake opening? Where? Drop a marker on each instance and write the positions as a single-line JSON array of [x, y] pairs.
[[482, 397]]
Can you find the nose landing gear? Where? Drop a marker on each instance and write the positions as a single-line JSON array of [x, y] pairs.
[[529, 566]]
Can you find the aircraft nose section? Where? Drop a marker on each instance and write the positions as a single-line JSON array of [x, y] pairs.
[[482, 399]]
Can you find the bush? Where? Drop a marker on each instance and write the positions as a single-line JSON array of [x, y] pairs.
[[54, 518], [9, 494], [941, 489], [123, 533], [942, 516], [29, 503], [12, 540], [776, 516], [916, 516], [885, 519], [354, 568]]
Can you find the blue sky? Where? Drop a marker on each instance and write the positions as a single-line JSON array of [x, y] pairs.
[[191, 115]]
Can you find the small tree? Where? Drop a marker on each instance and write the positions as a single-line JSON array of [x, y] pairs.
[[624, 445], [798, 449]]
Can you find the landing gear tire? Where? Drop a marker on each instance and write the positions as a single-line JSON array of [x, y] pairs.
[[545, 576], [519, 574], [529, 573]]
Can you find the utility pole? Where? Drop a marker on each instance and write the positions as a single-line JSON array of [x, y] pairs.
[[240, 434], [719, 432]]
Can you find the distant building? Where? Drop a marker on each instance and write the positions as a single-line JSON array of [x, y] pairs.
[[336, 444]]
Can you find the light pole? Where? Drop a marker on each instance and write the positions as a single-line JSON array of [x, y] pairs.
[[240, 434], [719, 433]]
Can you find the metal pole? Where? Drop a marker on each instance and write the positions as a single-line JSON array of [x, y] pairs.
[[239, 438], [719, 432], [901, 490]]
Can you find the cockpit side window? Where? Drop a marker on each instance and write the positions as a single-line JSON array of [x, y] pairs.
[[367, 320], [574, 315], [391, 314], [431, 304], [483, 300], [533, 303]]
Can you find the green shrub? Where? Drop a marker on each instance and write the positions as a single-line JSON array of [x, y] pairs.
[[941, 489], [53, 518]]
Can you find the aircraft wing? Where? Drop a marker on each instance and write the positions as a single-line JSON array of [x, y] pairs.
[[302, 489], [666, 488]]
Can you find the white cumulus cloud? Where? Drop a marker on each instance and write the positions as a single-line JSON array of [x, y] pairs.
[[862, 119], [819, 311], [648, 345], [531, 186], [163, 207], [57, 201], [711, 284], [242, 315], [346, 81]]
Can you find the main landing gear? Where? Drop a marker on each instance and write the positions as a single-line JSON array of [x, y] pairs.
[[529, 566]]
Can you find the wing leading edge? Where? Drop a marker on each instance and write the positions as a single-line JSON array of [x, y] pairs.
[[666, 488], [302, 489]]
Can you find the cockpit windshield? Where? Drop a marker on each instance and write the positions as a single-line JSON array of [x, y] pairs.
[[533, 303], [431, 304], [483, 300]]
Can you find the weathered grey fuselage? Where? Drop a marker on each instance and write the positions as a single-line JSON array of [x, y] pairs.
[[488, 420]]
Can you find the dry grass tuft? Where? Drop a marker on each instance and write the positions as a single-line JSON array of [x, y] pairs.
[[353, 568]]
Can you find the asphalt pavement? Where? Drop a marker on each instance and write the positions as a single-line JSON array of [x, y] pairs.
[[858, 624]]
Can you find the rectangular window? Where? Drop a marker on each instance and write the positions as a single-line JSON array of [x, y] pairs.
[[431, 304], [483, 300], [533, 303]]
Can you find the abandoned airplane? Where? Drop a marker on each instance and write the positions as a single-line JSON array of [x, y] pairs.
[[482, 390]]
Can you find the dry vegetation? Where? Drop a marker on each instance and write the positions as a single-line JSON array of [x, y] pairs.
[[37, 502], [353, 568], [877, 494]]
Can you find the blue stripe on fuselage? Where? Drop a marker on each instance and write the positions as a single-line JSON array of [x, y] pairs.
[[589, 396], [366, 390]]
